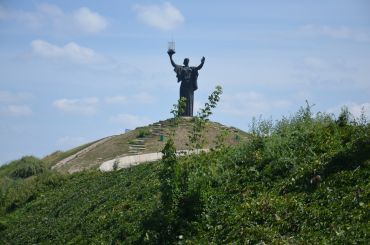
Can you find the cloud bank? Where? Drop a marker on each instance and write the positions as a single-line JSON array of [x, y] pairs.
[[85, 106], [51, 17], [337, 32], [164, 17], [16, 110], [12, 104], [89, 21], [129, 121], [251, 103], [9, 97], [70, 52]]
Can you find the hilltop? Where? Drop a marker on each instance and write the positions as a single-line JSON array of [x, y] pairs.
[[142, 140]]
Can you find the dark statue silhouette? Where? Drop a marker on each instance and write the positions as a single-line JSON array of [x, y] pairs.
[[188, 76]]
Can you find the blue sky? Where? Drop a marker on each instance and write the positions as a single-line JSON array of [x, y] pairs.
[[76, 71]]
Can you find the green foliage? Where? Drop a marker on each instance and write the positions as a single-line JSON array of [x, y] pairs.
[[180, 204], [302, 180], [220, 139], [21, 180], [84, 208], [143, 132], [179, 108], [26, 167], [344, 117], [196, 138], [23, 168], [16, 193], [167, 175]]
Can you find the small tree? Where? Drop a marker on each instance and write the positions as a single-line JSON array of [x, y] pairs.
[[196, 137]]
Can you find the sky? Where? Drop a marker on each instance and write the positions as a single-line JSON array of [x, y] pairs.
[[76, 71]]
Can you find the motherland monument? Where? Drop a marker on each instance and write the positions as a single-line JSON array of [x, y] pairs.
[[188, 76]]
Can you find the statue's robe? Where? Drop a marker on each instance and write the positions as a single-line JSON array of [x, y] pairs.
[[188, 77]]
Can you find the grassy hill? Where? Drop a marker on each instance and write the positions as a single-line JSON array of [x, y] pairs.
[[140, 141], [302, 180]]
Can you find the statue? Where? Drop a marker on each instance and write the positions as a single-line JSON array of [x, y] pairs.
[[188, 77]]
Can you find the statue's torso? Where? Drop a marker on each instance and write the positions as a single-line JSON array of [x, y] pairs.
[[188, 76]]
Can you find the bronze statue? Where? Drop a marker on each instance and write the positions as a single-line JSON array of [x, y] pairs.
[[188, 76]]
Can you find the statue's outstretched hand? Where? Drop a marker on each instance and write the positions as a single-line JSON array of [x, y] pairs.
[[203, 59], [170, 52]]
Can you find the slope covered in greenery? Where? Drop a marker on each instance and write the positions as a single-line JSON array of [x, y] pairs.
[[304, 179]]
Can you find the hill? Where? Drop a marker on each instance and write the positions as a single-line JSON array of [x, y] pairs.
[[142, 140], [302, 180]]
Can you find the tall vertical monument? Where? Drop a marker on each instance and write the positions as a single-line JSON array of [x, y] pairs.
[[188, 76]]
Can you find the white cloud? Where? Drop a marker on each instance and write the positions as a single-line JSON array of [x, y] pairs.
[[52, 18], [85, 106], [90, 105], [337, 32], [315, 63], [16, 110], [116, 100], [143, 98], [164, 17], [129, 121], [70, 141], [50, 10], [71, 52], [89, 21], [9, 108], [250, 104], [139, 98], [9, 97]]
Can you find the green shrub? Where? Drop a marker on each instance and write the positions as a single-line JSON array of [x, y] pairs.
[[17, 192], [27, 166], [143, 132]]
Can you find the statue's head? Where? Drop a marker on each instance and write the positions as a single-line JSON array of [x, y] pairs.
[[186, 61]]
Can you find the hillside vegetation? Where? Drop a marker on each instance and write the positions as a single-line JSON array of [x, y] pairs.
[[301, 180]]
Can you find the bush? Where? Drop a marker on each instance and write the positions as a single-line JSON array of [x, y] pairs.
[[143, 132], [27, 166], [18, 192]]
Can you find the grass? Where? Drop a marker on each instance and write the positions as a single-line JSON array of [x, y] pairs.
[[57, 156], [301, 180]]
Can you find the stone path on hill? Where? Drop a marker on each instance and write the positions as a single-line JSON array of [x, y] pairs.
[[83, 151], [157, 129], [129, 161], [138, 146]]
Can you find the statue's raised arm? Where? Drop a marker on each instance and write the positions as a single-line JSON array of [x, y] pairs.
[[201, 63], [170, 53]]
